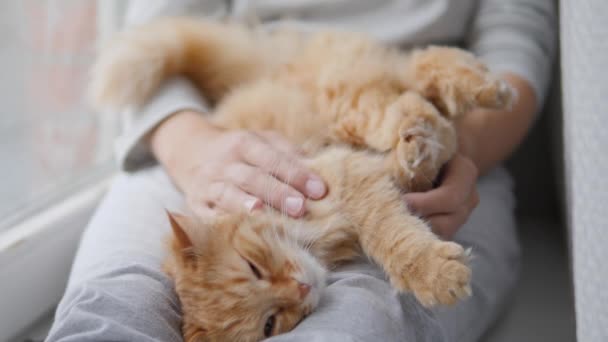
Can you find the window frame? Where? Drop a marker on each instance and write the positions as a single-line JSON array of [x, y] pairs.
[[36, 256], [38, 243]]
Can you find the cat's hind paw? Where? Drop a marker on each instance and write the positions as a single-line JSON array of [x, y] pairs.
[[496, 94], [456, 82], [426, 140]]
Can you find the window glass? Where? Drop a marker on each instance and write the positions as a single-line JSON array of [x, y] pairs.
[[50, 141]]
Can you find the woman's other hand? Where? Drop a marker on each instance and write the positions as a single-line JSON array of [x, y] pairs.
[[448, 206]]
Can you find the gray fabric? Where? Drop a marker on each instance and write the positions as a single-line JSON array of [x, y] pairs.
[[515, 36], [584, 52], [174, 95], [117, 291]]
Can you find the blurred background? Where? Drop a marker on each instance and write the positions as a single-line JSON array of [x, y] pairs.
[[49, 141], [54, 150]]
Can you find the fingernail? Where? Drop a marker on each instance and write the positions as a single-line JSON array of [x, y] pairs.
[[252, 204], [315, 188], [293, 205]]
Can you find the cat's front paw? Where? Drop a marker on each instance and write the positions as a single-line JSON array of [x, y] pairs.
[[456, 82], [439, 275], [426, 141]]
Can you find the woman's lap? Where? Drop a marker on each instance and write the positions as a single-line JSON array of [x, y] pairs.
[[491, 233], [117, 290]]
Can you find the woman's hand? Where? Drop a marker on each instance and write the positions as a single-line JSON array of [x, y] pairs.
[[486, 138], [448, 206], [233, 170]]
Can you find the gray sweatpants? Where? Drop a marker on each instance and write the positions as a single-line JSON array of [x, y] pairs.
[[117, 291]]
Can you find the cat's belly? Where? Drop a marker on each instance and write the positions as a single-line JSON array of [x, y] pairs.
[[274, 105], [349, 174]]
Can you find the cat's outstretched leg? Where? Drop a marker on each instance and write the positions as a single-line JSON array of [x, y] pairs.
[[455, 81], [414, 258]]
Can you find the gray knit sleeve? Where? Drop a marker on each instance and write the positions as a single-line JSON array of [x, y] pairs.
[[132, 147], [517, 36]]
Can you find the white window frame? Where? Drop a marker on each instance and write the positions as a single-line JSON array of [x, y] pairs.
[[36, 256], [36, 253]]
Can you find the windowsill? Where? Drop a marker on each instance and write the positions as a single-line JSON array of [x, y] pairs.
[[39, 330], [36, 255]]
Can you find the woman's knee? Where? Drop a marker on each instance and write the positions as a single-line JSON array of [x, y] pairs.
[[360, 303], [131, 303]]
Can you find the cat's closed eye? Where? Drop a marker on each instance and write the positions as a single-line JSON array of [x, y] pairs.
[[269, 326], [255, 270]]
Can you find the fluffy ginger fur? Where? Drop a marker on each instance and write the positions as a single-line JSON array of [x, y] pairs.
[[375, 122]]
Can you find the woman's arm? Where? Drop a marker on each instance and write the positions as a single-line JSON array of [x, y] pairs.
[[489, 137], [132, 147], [516, 38]]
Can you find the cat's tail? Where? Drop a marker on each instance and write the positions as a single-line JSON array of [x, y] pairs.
[[213, 55]]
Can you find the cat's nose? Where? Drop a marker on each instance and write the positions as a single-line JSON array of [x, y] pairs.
[[304, 289]]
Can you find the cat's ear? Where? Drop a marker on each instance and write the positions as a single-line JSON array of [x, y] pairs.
[[181, 225], [190, 231]]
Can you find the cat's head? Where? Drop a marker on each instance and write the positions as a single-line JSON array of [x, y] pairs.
[[241, 277]]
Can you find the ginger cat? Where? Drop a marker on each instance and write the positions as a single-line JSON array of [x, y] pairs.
[[374, 121]]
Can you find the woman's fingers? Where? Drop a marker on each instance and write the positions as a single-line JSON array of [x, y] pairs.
[[448, 207], [284, 167], [265, 187], [457, 185], [240, 170], [446, 225], [229, 197]]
